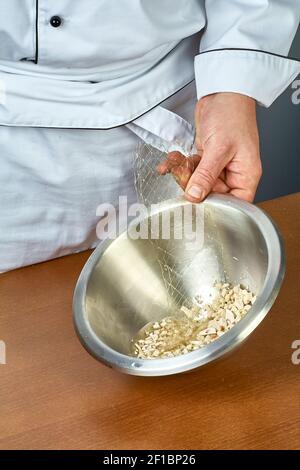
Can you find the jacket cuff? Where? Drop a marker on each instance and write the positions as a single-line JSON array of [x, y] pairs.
[[258, 74]]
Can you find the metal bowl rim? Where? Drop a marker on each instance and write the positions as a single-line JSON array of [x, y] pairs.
[[230, 340]]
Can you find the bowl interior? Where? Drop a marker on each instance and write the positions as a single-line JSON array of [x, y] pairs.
[[140, 280]]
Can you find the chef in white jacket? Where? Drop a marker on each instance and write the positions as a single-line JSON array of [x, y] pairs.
[[82, 82]]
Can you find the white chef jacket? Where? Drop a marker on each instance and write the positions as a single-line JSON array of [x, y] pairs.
[[72, 98], [109, 62]]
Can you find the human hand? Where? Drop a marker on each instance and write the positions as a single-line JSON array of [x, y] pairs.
[[227, 143]]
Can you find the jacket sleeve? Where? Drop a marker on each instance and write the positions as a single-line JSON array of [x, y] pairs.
[[244, 46]]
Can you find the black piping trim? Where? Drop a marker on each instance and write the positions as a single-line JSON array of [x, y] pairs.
[[36, 31], [251, 50], [103, 128]]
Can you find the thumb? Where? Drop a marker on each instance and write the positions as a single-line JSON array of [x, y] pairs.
[[207, 172]]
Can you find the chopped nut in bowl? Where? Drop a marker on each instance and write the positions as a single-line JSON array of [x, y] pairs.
[[199, 326]]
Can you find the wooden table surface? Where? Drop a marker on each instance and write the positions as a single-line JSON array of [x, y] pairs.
[[54, 395]]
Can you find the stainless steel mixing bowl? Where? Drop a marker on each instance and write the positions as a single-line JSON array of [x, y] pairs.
[[122, 287]]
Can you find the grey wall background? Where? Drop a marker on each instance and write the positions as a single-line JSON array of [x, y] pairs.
[[280, 142]]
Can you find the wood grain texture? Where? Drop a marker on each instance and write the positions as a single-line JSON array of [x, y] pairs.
[[54, 395]]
